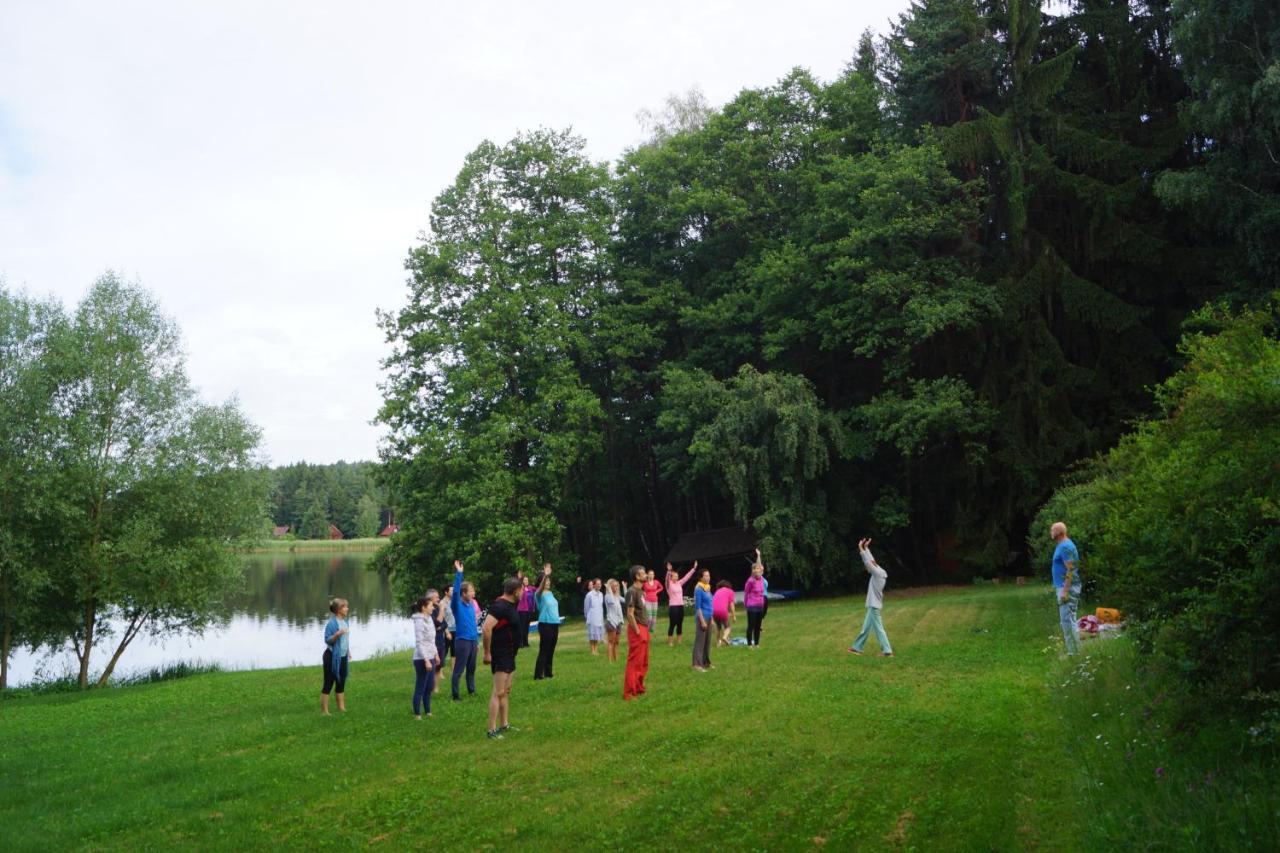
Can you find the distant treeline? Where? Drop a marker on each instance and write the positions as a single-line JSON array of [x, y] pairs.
[[308, 498]]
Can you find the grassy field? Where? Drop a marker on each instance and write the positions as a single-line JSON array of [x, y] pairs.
[[308, 546], [975, 736]]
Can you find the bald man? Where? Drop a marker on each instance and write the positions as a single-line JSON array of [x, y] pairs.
[[1066, 583]]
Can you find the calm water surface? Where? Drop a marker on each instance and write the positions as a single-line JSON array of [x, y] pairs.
[[276, 620]]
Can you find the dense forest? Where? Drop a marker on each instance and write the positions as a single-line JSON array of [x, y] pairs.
[[307, 498], [905, 302]]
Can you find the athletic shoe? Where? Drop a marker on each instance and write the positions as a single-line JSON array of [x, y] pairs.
[[495, 734], [854, 651], [887, 654], [507, 728]]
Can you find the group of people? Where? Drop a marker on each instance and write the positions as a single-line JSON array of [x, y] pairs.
[[455, 624]]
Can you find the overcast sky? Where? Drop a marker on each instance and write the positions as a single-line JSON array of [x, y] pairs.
[[264, 167]]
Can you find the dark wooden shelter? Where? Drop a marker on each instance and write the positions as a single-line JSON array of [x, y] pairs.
[[707, 545]]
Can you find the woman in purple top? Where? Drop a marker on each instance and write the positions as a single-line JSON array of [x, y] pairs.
[[753, 599], [527, 609]]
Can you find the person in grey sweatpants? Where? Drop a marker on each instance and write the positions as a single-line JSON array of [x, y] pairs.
[[875, 602]]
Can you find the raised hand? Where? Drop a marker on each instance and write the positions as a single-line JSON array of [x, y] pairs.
[[457, 565]]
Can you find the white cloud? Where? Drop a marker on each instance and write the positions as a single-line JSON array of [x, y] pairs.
[[264, 167]]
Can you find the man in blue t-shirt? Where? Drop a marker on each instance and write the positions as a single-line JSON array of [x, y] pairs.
[[1066, 583]]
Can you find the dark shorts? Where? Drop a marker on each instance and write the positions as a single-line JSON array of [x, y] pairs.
[[722, 623], [503, 663]]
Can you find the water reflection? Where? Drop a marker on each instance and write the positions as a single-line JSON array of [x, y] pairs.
[[297, 588], [276, 619]]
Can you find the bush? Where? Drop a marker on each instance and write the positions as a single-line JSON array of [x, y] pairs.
[[1179, 525]]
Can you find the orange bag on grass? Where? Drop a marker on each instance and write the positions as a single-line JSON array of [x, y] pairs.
[[1107, 615]]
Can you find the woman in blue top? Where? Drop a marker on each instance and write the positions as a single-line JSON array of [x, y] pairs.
[[548, 625], [702, 623], [336, 653]]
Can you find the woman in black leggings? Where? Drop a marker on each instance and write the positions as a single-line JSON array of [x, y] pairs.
[[675, 603]]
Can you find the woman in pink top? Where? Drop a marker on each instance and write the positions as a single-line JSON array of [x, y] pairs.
[[753, 598], [723, 611], [651, 588], [675, 602]]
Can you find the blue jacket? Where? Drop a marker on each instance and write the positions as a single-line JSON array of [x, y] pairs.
[[464, 615], [702, 601]]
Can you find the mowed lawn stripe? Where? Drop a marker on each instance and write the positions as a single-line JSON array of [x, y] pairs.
[[949, 744]]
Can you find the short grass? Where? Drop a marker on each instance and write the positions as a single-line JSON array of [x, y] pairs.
[[316, 546], [956, 743]]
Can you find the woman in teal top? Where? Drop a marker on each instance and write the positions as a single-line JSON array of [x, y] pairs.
[[548, 625], [336, 653]]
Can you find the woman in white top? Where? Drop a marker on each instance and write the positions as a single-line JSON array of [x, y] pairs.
[[613, 617], [425, 656], [593, 613]]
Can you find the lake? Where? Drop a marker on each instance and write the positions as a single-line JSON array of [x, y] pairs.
[[276, 620]]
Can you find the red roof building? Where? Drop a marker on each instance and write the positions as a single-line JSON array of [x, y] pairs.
[[335, 533], [389, 529], [282, 530]]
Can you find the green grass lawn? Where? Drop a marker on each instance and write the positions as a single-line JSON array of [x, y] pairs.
[[284, 546], [958, 742]]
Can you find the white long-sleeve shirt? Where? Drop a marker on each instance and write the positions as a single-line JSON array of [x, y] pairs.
[[875, 589], [424, 637]]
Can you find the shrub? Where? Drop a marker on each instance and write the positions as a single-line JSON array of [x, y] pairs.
[[1179, 525]]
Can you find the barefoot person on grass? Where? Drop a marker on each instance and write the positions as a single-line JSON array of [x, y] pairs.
[[500, 647], [724, 610], [614, 617], [637, 637], [426, 655], [875, 602], [336, 632], [651, 587], [593, 613]]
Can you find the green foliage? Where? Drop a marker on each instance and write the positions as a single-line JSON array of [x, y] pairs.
[[311, 497], [955, 248], [27, 418], [1230, 50], [766, 440], [1179, 521], [491, 418], [150, 487]]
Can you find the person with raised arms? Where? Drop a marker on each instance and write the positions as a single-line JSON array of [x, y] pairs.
[[548, 626], [500, 646], [651, 587], [528, 607], [875, 602], [465, 631], [675, 602], [637, 637]]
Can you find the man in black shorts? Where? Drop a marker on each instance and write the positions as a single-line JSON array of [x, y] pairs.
[[501, 641]]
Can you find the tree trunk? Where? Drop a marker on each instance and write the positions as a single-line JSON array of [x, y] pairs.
[[88, 645], [5, 642], [130, 633]]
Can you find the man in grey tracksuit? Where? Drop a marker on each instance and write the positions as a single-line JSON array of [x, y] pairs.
[[875, 601]]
